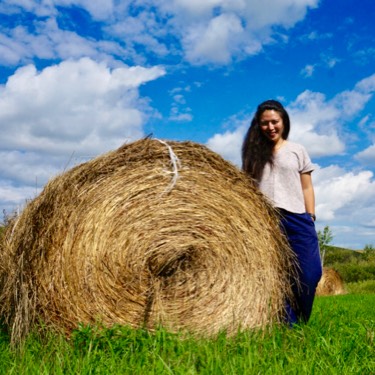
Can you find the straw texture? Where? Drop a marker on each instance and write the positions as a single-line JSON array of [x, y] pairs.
[[154, 233], [331, 283]]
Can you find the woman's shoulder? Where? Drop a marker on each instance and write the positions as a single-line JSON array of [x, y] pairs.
[[293, 146]]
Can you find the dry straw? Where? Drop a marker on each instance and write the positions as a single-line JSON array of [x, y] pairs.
[[154, 233], [331, 283]]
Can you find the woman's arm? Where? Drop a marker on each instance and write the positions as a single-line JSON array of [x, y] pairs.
[[308, 192]]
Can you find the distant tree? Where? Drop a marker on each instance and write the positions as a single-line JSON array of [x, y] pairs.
[[369, 252], [325, 237]]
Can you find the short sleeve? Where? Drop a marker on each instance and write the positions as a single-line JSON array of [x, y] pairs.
[[306, 165]]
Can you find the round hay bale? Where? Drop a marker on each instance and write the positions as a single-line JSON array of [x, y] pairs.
[[331, 283], [151, 234]]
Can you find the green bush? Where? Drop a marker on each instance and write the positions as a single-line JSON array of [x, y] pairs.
[[355, 272], [337, 255], [353, 266], [369, 253]]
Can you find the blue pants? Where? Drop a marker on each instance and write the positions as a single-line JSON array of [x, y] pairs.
[[303, 239]]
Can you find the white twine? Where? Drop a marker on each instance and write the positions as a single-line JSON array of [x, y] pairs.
[[175, 164]]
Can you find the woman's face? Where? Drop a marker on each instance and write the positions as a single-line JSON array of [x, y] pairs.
[[272, 126]]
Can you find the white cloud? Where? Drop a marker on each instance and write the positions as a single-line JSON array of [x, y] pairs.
[[10, 50], [49, 42], [229, 143], [351, 102], [180, 111], [213, 42], [346, 202], [99, 9], [218, 30], [326, 61], [330, 62], [13, 198], [80, 108], [366, 85], [319, 145], [337, 189], [367, 123], [194, 8], [308, 71], [211, 31], [314, 35], [40, 8], [28, 167], [367, 156], [147, 29], [314, 124], [318, 123], [284, 12], [180, 99], [180, 117]]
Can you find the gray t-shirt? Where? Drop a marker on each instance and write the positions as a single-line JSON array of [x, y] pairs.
[[281, 183]]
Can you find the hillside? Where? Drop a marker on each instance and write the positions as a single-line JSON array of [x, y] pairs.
[[353, 266]]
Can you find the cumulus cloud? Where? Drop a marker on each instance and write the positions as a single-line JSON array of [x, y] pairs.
[[314, 124], [346, 202], [367, 156], [48, 42], [219, 30], [40, 8], [318, 123], [366, 85], [13, 198], [79, 108], [337, 189], [229, 143], [213, 42], [211, 31], [99, 9]]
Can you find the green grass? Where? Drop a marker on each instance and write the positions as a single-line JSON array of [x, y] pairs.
[[339, 339]]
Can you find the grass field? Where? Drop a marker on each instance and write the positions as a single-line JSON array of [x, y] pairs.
[[339, 339]]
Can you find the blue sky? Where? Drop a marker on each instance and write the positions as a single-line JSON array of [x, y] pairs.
[[81, 77]]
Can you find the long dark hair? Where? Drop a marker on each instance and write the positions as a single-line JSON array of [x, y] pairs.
[[257, 149]]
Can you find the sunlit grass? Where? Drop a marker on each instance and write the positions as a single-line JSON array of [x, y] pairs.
[[339, 339]]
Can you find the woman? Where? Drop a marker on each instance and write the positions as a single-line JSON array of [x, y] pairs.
[[282, 170]]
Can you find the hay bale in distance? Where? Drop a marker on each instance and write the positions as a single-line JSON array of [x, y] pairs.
[[331, 283], [153, 233]]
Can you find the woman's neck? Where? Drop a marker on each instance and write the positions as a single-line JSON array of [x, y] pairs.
[[280, 143]]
